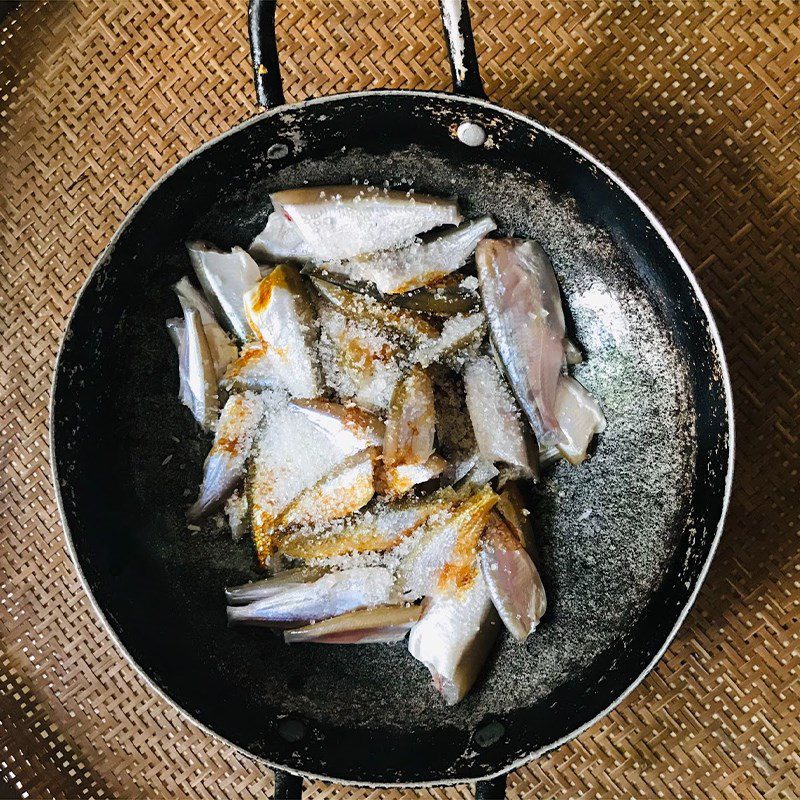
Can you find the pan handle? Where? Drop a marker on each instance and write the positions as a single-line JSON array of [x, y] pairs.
[[464, 66], [267, 73], [491, 789], [288, 786]]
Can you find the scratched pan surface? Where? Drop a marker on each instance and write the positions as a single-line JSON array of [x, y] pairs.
[[624, 539]]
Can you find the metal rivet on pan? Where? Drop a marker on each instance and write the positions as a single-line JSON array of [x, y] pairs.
[[291, 729], [278, 150], [471, 134], [489, 734]]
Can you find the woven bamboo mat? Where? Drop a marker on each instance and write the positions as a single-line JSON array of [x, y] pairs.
[[696, 105]]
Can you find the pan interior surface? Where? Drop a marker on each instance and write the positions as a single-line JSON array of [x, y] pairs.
[[623, 539]]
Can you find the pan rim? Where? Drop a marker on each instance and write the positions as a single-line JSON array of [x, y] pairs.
[[659, 229]]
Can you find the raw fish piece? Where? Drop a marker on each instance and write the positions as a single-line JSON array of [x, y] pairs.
[[225, 464], [223, 351], [258, 590], [511, 577], [448, 541], [379, 527], [360, 363], [176, 328], [279, 241], [355, 426], [410, 328], [499, 432], [289, 454], [526, 321], [419, 264], [345, 489], [333, 594], [572, 353], [367, 625], [444, 298], [393, 482], [411, 423], [579, 417], [345, 221], [225, 278], [454, 636], [201, 375], [281, 316], [460, 336], [472, 470], [238, 515], [511, 507]]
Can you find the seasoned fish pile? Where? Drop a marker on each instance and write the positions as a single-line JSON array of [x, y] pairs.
[[381, 378]]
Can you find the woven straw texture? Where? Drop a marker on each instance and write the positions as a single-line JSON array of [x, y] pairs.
[[696, 105]]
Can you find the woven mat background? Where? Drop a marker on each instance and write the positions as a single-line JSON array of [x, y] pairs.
[[696, 105]]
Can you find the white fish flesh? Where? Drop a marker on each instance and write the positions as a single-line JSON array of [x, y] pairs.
[[394, 481], [238, 514], [289, 454], [268, 587], [378, 528], [461, 335], [419, 264], [511, 578], [340, 222], [201, 374], [454, 636], [360, 364], [526, 321], [350, 424], [225, 464], [176, 328], [279, 241], [333, 594], [281, 317], [365, 626], [345, 489], [225, 278], [579, 417], [411, 422], [223, 351], [407, 326], [446, 549], [499, 431]]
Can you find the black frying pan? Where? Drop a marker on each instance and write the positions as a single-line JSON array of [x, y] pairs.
[[625, 539]]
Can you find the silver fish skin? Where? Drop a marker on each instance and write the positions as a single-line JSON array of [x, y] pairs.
[[282, 319], [352, 426], [201, 374], [259, 590], [523, 305], [454, 636], [225, 278], [176, 328], [225, 464], [279, 241], [512, 579], [411, 421], [341, 222], [498, 429], [365, 626], [333, 594], [579, 417], [223, 351], [421, 263]]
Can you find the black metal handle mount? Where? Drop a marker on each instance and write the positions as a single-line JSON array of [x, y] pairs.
[[491, 789], [288, 786], [267, 72]]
